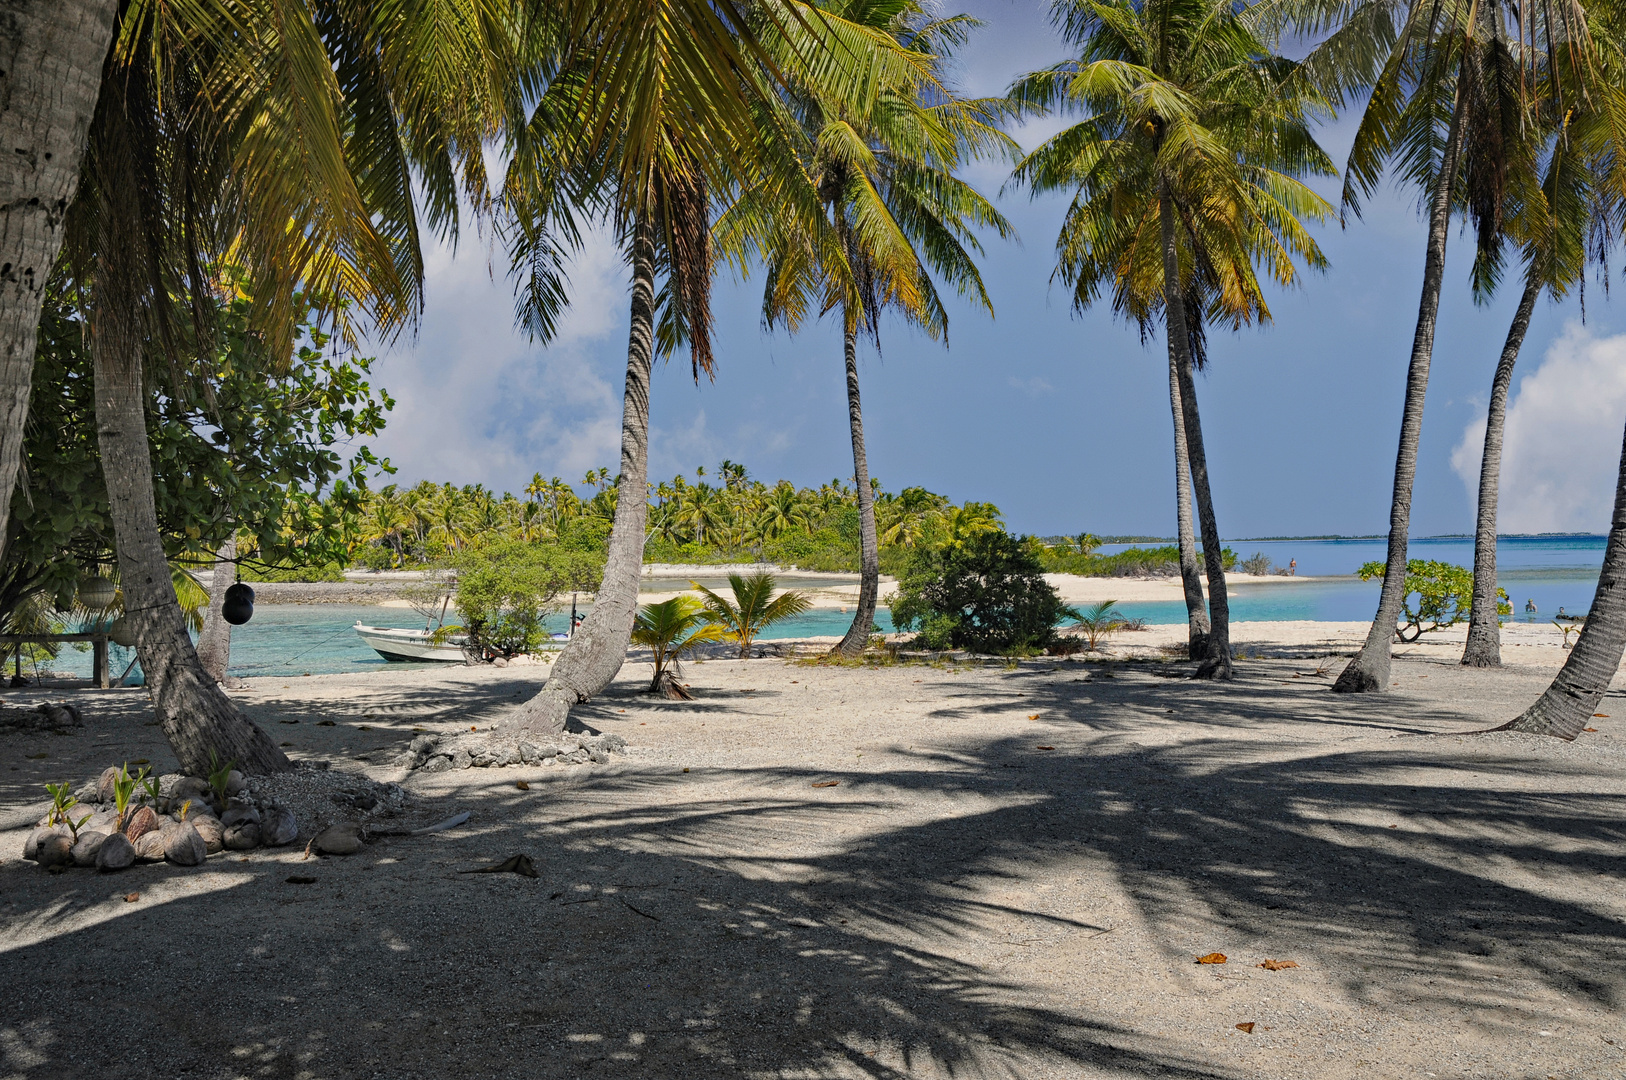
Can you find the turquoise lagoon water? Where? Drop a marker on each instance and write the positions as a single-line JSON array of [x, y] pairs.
[[1553, 571], [316, 639]]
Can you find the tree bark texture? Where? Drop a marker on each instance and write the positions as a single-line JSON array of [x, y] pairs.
[[1216, 662], [194, 712], [1369, 670], [1196, 611], [869, 569], [214, 644], [1564, 709], [1484, 648], [51, 55], [598, 648]]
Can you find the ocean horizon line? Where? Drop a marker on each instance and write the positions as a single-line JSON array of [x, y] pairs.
[[1106, 540]]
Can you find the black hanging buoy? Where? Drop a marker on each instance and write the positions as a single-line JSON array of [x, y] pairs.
[[238, 607]]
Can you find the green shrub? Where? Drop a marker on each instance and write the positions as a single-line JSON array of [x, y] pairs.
[[505, 588], [1258, 564], [375, 557], [589, 535], [1444, 592], [1131, 562], [987, 594]]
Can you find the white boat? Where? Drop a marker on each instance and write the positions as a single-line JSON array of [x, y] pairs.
[[417, 645]]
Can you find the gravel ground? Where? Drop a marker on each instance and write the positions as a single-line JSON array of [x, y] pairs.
[[908, 871]]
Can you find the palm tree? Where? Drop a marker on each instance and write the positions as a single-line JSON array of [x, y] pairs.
[[783, 512], [672, 630], [214, 637], [1198, 625], [649, 120], [753, 609], [1558, 225], [1565, 707], [954, 525], [895, 215], [55, 56], [449, 524], [385, 520], [1185, 172], [208, 143], [702, 508], [1097, 621], [1448, 99], [905, 519]]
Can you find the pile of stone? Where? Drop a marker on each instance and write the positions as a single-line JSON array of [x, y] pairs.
[[188, 823], [319, 796], [431, 754], [47, 716]]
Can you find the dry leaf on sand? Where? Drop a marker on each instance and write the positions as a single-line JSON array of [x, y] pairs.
[[827, 783], [1035, 716], [1600, 716], [1278, 965], [1044, 747], [514, 864], [522, 785], [1212, 958], [1246, 1029], [1589, 729], [131, 897]]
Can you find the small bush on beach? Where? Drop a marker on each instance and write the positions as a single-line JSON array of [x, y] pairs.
[[753, 609], [987, 594], [1131, 562], [1444, 596], [504, 589], [671, 630], [1258, 564], [1098, 622]]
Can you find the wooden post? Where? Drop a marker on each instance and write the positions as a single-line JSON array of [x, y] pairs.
[[98, 661]]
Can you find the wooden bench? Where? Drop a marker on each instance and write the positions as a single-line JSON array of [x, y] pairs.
[[98, 651]]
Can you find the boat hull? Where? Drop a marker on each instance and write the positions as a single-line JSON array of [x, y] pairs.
[[411, 646]]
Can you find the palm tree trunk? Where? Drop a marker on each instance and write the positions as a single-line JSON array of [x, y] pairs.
[[51, 55], [1216, 662], [598, 648], [194, 713], [869, 566], [1566, 706], [1196, 612], [214, 644], [1370, 668], [1484, 648]]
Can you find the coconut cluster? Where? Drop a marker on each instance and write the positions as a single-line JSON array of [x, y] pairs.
[[184, 825]]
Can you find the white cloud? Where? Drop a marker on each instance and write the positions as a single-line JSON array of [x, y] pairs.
[[1562, 448], [478, 402], [1035, 387]]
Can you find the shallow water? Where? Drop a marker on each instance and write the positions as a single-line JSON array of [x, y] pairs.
[[316, 639], [1553, 571], [1581, 555]]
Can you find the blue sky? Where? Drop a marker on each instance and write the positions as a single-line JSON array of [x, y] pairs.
[[1062, 420]]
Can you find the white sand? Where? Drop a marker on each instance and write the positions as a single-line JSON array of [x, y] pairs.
[[1011, 877], [1093, 590]]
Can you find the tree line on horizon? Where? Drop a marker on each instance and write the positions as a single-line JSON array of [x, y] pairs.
[[814, 146]]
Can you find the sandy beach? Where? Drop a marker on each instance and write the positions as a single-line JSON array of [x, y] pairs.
[[662, 581], [916, 870]]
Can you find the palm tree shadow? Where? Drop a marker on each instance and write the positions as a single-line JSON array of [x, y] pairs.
[[764, 927]]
